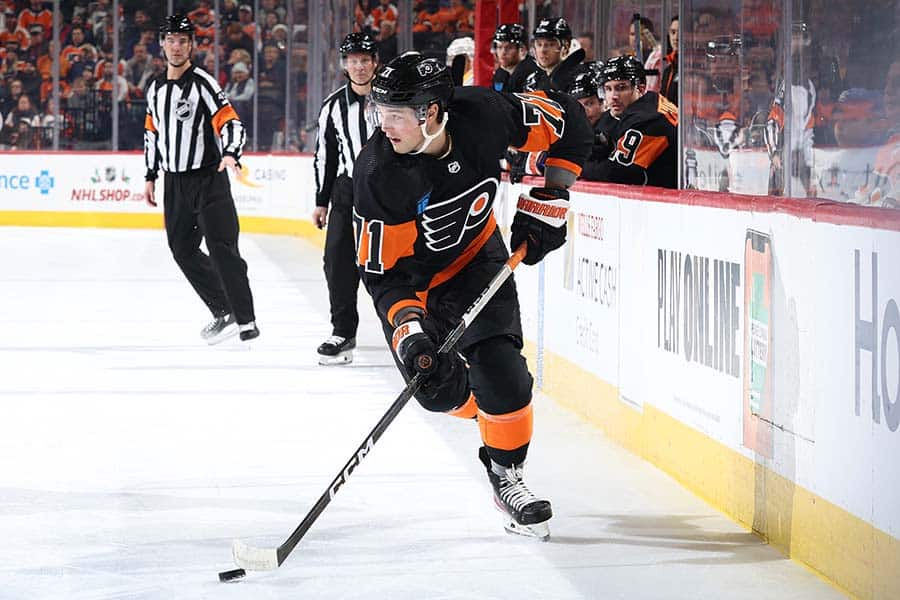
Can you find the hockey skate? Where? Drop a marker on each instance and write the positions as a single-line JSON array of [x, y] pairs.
[[249, 331], [526, 514], [336, 350], [219, 329]]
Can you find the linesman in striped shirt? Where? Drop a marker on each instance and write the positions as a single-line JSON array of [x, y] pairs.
[[193, 134], [342, 132]]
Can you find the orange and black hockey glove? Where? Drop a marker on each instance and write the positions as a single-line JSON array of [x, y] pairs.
[[541, 221], [415, 348]]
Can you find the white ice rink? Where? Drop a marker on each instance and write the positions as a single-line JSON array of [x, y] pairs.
[[131, 455]]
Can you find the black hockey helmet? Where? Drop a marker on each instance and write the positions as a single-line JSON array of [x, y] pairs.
[[413, 80], [359, 43], [556, 29], [511, 32], [177, 23], [623, 68], [584, 84]]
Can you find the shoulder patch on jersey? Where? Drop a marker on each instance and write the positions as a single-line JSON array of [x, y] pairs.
[[446, 223], [222, 96]]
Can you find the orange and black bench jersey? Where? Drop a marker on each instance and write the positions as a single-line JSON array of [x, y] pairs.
[[643, 145], [418, 220]]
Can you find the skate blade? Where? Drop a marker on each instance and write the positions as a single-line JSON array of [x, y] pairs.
[[338, 359], [226, 334], [539, 531]]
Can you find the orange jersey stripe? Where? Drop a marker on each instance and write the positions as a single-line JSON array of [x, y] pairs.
[[468, 254], [668, 110], [563, 164], [396, 242], [468, 410], [400, 305], [222, 116], [543, 134], [506, 432], [148, 124], [650, 149], [777, 114]]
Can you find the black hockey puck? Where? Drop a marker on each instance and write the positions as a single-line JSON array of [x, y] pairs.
[[226, 576]]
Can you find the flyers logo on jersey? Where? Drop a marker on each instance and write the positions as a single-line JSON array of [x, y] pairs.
[[446, 223]]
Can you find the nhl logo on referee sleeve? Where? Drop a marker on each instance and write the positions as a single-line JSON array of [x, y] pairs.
[[453, 167], [184, 109]]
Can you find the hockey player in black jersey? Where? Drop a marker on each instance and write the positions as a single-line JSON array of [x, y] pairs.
[[428, 245], [642, 128], [584, 89], [510, 47]]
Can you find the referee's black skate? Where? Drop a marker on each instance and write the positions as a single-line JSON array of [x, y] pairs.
[[336, 350], [219, 329], [249, 331], [525, 513]]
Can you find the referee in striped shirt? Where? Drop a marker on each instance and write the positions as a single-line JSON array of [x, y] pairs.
[[192, 133], [342, 132]]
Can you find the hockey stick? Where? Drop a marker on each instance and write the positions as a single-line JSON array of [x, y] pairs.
[[265, 559]]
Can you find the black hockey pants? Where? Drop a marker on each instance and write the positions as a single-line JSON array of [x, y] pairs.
[[198, 205], [341, 273]]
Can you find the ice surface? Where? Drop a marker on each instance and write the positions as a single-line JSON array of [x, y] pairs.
[[131, 454]]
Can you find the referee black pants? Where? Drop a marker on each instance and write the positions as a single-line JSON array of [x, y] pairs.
[[199, 205], [341, 273]]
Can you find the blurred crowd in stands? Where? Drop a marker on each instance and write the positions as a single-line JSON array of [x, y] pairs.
[[735, 130]]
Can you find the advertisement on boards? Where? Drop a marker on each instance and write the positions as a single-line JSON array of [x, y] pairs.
[[582, 289], [270, 186], [757, 343]]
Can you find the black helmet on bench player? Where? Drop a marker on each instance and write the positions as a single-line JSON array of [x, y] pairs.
[[511, 32], [623, 68], [584, 85], [556, 29]]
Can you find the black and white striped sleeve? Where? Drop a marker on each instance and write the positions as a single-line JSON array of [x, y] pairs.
[[151, 137], [325, 162], [224, 118]]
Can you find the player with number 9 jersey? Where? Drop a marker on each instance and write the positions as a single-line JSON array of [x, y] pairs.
[[642, 128]]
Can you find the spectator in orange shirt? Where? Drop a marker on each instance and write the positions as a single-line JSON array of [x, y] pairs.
[[245, 18], [36, 14], [203, 7], [14, 32], [105, 81], [45, 63], [433, 18], [204, 23], [385, 11], [47, 88], [77, 39], [463, 17]]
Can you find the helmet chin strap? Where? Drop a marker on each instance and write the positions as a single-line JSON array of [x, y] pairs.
[[430, 138]]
